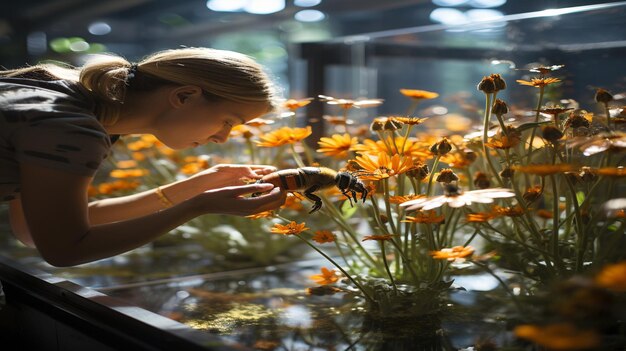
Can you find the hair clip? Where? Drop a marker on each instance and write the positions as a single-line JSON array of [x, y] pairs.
[[132, 71]]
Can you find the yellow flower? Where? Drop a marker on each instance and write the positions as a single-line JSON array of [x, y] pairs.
[[126, 163], [118, 185], [539, 82], [480, 217], [457, 253], [128, 173], [400, 199], [349, 103], [507, 140], [560, 336], [337, 146], [383, 166], [294, 104], [284, 135], [264, 214], [289, 229], [418, 94], [411, 121], [613, 277], [392, 146], [327, 277], [324, 236], [515, 211]]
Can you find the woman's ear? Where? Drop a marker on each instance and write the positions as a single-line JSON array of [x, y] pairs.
[[181, 95]]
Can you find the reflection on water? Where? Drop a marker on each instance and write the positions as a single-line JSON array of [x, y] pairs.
[[272, 311]]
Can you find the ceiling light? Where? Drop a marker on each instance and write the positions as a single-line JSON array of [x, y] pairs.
[[483, 4], [309, 16], [264, 7], [448, 16], [226, 5], [483, 15], [306, 3], [99, 28], [449, 2]]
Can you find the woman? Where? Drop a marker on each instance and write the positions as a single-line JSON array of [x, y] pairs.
[[57, 125]]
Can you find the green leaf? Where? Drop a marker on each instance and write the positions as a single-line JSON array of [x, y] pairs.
[[580, 197], [347, 210]]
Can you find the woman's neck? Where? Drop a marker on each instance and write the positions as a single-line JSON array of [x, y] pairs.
[[138, 113]]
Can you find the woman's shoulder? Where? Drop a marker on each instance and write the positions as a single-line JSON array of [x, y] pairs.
[[23, 94], [25, 91]]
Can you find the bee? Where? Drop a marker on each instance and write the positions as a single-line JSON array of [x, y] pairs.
[[312, 179]]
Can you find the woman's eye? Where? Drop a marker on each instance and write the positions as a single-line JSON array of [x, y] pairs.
[[228, 124]]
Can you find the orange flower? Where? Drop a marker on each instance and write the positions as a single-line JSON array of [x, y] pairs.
[[324, 236], [126, 163], [539, 82], [118, 185], [259, 122], [383, 166], [337, 146], [399, 145], [560, 336], [289, 229], [294, 104], [264, 214], [457, 253], [459, 159], [507, 140], [145, 141], [544, 169], [327, 277], [425, 217], [404, 198], [380, 237], [613, 277], [338, 120], [241, 130], [418, 94], [284, 135], [508, 211], [611, 171], [411, 121], [293, 202], [348, 103], [480, 217], [129, 173]]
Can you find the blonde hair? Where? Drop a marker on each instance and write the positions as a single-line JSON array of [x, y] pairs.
[[222, 75]]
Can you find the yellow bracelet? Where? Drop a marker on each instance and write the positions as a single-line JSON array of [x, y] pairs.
[[164, 200]]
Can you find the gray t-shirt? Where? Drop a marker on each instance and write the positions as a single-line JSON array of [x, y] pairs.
[[50, 124]]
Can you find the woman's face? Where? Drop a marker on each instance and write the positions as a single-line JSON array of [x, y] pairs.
[[198, 121]]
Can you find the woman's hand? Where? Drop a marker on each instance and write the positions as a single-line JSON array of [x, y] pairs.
[[231, 200], [224, 175]]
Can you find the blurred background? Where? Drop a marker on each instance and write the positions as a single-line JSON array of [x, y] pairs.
[[273, 31]]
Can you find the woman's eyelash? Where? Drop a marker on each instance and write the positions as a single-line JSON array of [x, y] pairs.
[[229, 124]]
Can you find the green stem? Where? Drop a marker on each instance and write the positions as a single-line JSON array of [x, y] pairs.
[[382, 252], [367, 296], [432, 174], [532, 134]]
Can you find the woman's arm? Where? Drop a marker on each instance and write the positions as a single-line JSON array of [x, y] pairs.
[[56, 212], [147, 202]]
